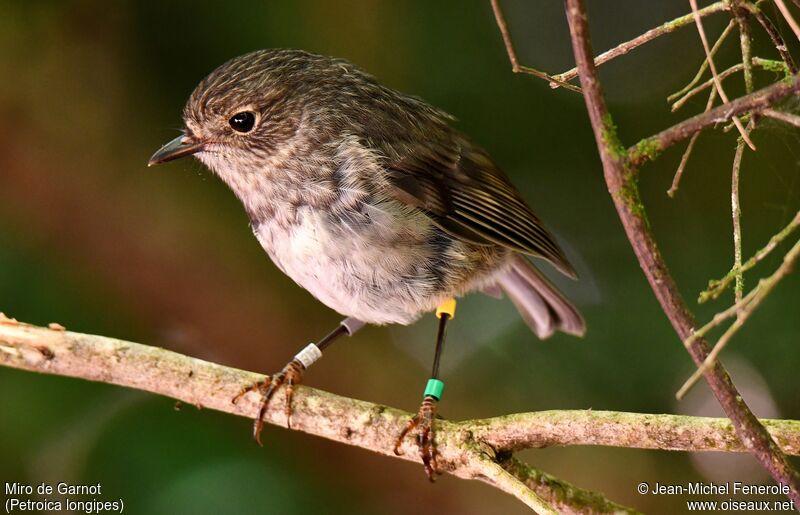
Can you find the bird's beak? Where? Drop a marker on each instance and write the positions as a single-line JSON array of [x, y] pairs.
[[181, 146]]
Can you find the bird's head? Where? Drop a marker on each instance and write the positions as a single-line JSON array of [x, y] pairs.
[[244, 112]]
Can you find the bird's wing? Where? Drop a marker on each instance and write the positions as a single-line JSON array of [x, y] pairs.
[[464, 193]]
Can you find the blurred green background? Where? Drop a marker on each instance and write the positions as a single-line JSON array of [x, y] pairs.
[[92, 239]]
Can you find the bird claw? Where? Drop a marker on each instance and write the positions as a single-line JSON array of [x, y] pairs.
[[426, 437], [291, 375]]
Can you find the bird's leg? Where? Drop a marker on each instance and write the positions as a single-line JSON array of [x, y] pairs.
[[425, 418], [292, 374]]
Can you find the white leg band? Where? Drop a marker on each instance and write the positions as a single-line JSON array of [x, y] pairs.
[[351, 325], [309, 355]]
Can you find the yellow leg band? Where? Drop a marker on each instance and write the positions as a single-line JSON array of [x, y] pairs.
[[447, 307]]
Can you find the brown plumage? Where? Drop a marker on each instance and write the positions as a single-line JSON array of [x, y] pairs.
[[366, 197], [370, 200]]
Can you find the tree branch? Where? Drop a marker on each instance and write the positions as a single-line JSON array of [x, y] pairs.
[[362, 424], [775, 36], [766, 64], [736, 216], [511, 433], [764, 98], [704, 65], [788, 17], [673, 189], [713, 67], [470, 449], [716, 287], [621, 182], [512, 54], [789, 118], [648, 36], [743, 308], [567, 501]]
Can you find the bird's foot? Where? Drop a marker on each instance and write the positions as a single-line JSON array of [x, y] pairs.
[[426, 436], [291, 375]]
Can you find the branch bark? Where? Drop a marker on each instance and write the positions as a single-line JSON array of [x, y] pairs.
[[470, 449], [648, 36], [620, 179], [764, 98], [512, 54], [777, 39], [208, 385]]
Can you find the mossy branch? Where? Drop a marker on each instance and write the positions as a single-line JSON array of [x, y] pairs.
[[620, 173], [471, 449], [756, 102]]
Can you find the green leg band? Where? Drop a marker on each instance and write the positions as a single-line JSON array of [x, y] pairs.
[[434, 388]]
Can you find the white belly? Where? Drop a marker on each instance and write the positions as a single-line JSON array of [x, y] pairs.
[[370, 272]]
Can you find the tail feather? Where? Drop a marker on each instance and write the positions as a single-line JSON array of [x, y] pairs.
[[541, 305]]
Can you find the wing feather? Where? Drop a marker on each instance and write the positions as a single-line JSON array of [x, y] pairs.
[[463, 191]]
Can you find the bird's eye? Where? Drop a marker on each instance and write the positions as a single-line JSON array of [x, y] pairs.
[[243, 122]]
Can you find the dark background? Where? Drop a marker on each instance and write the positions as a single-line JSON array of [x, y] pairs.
[[92, 239]]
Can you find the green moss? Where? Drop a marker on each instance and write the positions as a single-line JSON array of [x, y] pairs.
[[715, 288], [565, 493], [647, 149], [629, 194], [772, 65], [674, 24], [775, 66], [610, 138]]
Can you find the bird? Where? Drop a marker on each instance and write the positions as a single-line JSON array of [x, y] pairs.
[[372, 201]]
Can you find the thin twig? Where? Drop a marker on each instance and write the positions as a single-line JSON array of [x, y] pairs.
[[503, 26], [718, 319], [673, 189], [676, 179], [744, 308], [715, 288], [648, 36], [789, 118], [713, 68], [512, 54], [777, 39], [736, 208], [729, 127], [764, 98], [621, 183], [705, 85], [745, 44], [766, 64], [736, 216], [788, 17], [704, 64]]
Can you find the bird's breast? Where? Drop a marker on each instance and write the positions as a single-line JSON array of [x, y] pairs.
[[375, 263]]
